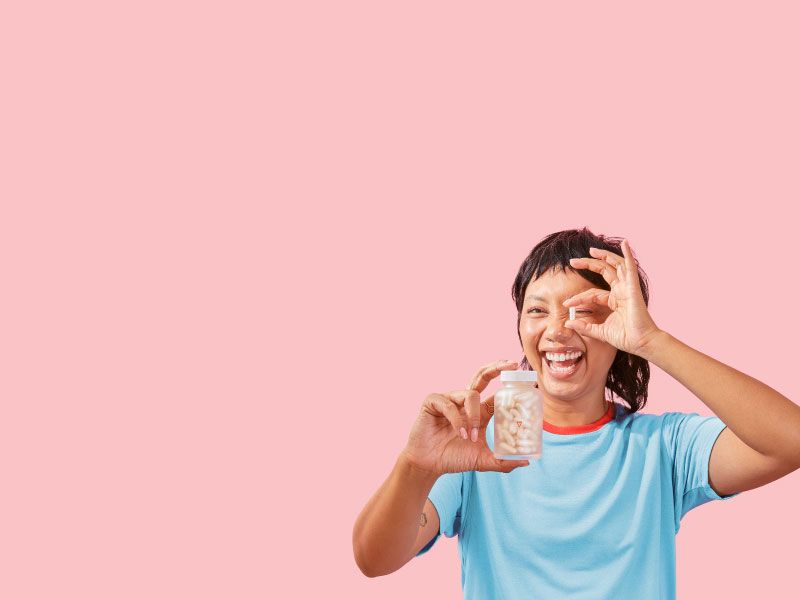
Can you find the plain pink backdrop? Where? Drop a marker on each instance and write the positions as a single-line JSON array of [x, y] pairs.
[[240, 244]]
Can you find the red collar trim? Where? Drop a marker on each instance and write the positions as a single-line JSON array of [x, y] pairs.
[[582, 428]]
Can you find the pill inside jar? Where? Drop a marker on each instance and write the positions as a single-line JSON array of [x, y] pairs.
[[518, 416]]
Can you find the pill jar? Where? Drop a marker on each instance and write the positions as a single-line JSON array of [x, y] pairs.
[[518, 416]]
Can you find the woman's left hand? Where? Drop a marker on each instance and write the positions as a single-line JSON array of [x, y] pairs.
[[629, 326]]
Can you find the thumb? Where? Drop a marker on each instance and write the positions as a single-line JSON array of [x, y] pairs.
[[488, 462]]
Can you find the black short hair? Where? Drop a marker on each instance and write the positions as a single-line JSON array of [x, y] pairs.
[[629, 374]]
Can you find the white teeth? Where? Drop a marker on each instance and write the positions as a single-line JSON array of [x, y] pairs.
[[559, 357]]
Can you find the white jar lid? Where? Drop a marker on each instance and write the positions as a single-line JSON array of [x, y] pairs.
[[520, 375]]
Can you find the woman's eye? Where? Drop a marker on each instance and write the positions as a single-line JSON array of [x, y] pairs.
[[530, 310]]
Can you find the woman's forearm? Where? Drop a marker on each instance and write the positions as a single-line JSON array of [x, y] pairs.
[[762, 418], [387, 527]]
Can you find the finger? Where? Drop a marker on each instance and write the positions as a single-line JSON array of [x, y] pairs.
[[486, 373], [609, 272], [611, 257], [614, 259], [472, 404], [630, 262], [488, 462], [477, 413], [444, 405], [626, 252], [470, 401], [591, 330], [457, 396], [592, 296], [487, 410]]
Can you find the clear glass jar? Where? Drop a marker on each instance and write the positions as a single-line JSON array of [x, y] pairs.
[[518, 416]]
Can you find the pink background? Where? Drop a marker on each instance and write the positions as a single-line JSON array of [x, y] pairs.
[[241, 244]]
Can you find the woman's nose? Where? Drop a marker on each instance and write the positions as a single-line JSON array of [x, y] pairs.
[[556, 329]]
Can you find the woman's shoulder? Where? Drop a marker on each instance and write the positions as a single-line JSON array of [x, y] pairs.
[[665, 426], [640, 420]]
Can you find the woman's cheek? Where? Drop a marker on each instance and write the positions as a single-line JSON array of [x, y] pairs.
[[528, 328], [524, 332]]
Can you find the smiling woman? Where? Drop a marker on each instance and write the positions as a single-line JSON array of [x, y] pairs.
[[544, 280], [607, 495]]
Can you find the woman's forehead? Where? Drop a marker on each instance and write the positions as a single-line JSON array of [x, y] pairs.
[[552, 285]]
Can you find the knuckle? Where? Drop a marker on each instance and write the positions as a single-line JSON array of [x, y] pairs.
[[433, 401]]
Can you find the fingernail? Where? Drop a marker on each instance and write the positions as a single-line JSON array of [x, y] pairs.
[[474, 434], [463, 433]]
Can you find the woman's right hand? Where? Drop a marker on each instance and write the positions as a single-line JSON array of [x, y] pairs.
[[436, 443]]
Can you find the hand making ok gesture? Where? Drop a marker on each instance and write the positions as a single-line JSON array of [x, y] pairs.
[[628, 326]]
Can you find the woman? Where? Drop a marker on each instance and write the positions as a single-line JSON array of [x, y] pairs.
[[597, 515]]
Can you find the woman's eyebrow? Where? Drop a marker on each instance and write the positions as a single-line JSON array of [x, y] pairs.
[[540, 298]]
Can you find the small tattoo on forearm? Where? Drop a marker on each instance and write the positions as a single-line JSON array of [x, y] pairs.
[[423, 520]]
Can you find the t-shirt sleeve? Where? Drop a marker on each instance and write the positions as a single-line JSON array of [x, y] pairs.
[[690, 438], [446, 495]]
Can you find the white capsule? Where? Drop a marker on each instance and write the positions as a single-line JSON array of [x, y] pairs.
[[505, 412], [571, 312], [524, 398], [507, 437]]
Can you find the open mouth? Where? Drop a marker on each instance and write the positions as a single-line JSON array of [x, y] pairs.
[[562, 368]]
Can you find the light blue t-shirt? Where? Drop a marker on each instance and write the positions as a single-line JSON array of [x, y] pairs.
[[595, 518]]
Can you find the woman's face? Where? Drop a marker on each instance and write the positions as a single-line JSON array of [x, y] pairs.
[[541, 328]]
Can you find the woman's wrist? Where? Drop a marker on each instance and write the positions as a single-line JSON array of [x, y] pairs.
[[408, 469]]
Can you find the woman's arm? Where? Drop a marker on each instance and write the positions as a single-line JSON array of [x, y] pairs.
[[762, 439], [389, 531]]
